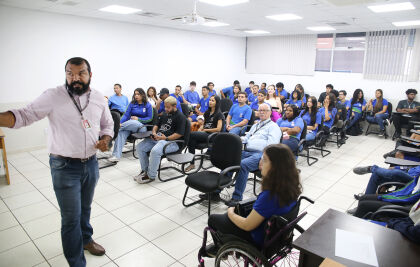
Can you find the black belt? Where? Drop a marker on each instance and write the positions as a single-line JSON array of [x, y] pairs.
[[68, 158]]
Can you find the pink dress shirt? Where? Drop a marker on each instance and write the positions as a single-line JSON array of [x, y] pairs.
[[66, 135]]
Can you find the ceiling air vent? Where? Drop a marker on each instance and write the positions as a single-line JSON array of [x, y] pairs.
[[149, 14], [338, 24]]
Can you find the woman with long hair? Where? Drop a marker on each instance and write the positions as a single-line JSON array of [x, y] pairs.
[[357, 106], [152, 96], [328, 111], [213, 123], [234, 96], [379, 109], [299, 88], [292, 126], [280, 191], [275, 102], [138, 112], [294, 99], [312, 118]]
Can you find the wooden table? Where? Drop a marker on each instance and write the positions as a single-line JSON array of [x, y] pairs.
[[3, 148], [318, 242]]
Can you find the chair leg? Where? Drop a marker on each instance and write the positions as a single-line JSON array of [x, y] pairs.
[[367, 130], [208, 206], [170, 167], [134, 150], [192, 203]]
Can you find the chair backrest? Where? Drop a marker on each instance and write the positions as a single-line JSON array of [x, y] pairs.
[[305, 128], [185, 109], [389, 109], [155, 117], [226, 151], [225, 104], [252, 119], [186, 136]]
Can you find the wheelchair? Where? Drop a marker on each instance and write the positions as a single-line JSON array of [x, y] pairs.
[[277, 247]]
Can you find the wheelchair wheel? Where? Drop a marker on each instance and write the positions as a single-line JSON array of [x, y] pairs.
[[290, 259], [240, 254]]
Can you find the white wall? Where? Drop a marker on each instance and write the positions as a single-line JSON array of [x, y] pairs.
[[36, 45]]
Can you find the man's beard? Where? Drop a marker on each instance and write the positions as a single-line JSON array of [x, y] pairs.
[[78, 90]]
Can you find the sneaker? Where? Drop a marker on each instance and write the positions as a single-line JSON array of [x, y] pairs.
[[114, 159], [190, 168], [143, 173], [144, 179], [397, 135], [362, 170], [390, 154], [381, 133], [213, 196], [232, 202], [358, 196], [352, 211]]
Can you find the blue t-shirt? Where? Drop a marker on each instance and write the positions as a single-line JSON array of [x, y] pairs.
[[252, 98], [292, 124], [212, 93], [283, 93], [307, 118], [239, 113], [162, 107], [228, 91], [204, 104], [343, 107], [357, 107], [331, 114], [267, 206], [178, 98], [143, 111], [265, 90], [384, 103], [119, 103], [297, 103], [192, 97], [234, 100], [248, 90]]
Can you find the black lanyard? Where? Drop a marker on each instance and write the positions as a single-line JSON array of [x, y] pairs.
[[79, 108], [262, 125]]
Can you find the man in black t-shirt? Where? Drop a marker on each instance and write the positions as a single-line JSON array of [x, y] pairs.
[[328, 89], [170, 126], [406, 110]]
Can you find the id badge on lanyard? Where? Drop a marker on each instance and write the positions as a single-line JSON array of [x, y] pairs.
[[85, 122]]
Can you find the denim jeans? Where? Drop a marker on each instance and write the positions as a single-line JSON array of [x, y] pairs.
[[378, 119], [126, 129], [356, 118], [74, 185], [381, 175], [156, 151], [238, 130], [310, 136], [292, 143], [249, 162]]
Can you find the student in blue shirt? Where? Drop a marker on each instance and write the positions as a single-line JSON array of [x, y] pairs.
[[263, 87], [160, 105], [226, 92], [299, 88], [357, 106], [328, 111], [253, 95], [292, 126], [212, 92], [281, 188], [234, 96], [139, 112], [280, 91], [260, 99], [179, 96], [202, 105], [343, 105], [191, 96], [312, 118], [239, 115], [379, 107], [248, 90], [118, 102], [294, 100]]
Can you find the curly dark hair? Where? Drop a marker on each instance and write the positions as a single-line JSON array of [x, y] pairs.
[[142, 94], [282, 179]]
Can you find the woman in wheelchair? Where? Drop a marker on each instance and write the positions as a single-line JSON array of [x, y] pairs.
[[280, 191], [378, 110], [312, 117]]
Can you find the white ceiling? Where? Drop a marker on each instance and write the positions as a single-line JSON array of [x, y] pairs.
[[250, 15]]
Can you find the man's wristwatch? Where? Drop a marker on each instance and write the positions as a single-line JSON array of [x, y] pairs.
[[166, 139]]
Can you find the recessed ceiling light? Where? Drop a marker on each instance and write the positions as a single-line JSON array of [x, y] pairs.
[[257, 32], [214, 24], [320, 28], [407, 23], [392, 7], [224, 2], [284, 17], [120, 9]]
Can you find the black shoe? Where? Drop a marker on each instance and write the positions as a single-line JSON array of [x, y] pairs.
[[397, 135], [351, 211], [358, 196], [390, 154], [381, 133], [232, 202], [213, 196], [362, 170]]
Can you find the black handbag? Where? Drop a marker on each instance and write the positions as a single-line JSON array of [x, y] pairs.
[[244, 207]]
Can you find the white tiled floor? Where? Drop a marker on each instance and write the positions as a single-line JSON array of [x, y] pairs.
[[146, 225]]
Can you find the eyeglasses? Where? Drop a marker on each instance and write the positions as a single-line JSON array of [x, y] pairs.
[[265, 110]]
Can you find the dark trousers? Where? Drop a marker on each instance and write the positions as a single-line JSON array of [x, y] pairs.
[[74, 185], [196, 138], [369, 203], [222, 224]]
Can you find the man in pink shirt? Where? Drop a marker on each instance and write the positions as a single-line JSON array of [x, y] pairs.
[[79, 123]]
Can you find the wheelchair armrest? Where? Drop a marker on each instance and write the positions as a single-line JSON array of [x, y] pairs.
[[299, 228], [305, 198], [389, 184], [171, 142], [401, 162], [389, 212]]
